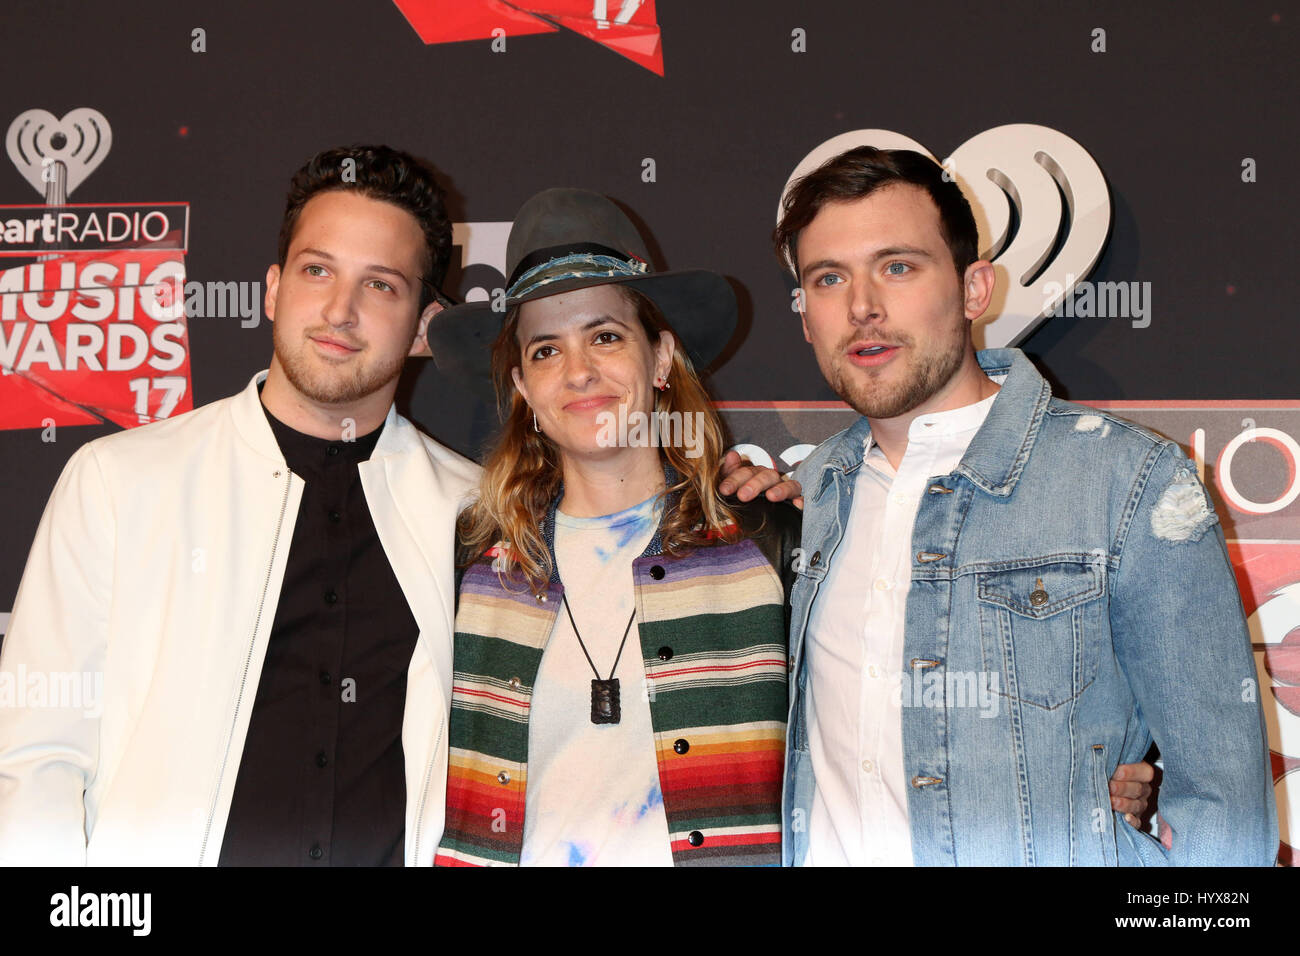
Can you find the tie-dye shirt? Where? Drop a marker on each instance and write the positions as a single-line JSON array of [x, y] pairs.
[[593, 795]]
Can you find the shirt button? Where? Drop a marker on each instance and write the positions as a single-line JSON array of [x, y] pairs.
[[331, 596], [316, 852], [541, 599], [868, 766], [332, 451], [322, 760], [882, 584], [657, 573], [503, 778], [665, 653], [325, 678], [681, 745], [335, 517], [515, 683], [695, 838], [872, 671]]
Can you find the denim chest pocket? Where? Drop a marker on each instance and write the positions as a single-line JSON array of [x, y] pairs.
[[1040, 626]]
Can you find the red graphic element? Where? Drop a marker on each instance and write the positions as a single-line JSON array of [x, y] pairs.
[[93, 337], [1286, 854], [1264, 569], [628, 27]]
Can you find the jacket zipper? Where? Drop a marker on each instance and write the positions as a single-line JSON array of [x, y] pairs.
[[424, 794], [248, 659]]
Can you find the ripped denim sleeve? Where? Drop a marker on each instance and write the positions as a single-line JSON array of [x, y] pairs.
[[1183, 512]]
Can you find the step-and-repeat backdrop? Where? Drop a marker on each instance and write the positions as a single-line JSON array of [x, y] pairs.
[[1132, 172]]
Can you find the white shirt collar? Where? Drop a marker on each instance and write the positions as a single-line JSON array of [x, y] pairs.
[[935, 426]]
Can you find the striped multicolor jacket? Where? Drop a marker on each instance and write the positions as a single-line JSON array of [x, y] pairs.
[[712, 627]]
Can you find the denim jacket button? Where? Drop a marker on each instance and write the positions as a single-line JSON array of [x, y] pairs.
[[1038, 597], [815, 560]]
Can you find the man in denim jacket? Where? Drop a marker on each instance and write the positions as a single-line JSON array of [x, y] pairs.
[[1001, 595]]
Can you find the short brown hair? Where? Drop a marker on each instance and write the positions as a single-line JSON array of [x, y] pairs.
[[858, 173], [386, 174]]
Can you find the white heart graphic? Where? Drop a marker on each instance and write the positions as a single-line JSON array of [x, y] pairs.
[[79, 141], [1033, 167]]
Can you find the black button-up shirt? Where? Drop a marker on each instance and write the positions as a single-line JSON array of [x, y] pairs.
[[323, 777]]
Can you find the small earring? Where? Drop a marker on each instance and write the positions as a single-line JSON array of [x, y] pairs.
[[662, 384], [535, 428]]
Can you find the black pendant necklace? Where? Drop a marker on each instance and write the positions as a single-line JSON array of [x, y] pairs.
[[605, 704]]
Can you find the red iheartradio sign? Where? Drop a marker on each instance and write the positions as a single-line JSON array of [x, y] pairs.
[[90, 337], [628, 27]]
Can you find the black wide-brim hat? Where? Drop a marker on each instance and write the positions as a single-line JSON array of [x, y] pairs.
[[567, 239]]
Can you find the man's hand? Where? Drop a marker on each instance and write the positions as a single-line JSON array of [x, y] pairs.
[[1130, 791], [746, 481]]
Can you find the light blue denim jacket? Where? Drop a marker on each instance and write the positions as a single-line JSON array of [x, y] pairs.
[[1072, 567]]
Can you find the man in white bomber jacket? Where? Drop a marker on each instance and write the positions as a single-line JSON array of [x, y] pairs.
[[191, 564]]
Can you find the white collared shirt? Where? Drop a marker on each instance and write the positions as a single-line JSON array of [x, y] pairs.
[[854, 650]]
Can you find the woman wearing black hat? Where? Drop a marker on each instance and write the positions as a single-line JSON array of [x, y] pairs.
[[620, 670]]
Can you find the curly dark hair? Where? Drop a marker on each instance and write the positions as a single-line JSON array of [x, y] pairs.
[[858, 173], [387, 174]]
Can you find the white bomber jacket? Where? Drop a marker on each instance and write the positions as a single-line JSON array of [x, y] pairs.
[[158, 563]]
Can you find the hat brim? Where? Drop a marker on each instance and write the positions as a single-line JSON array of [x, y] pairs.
[[699, 306]]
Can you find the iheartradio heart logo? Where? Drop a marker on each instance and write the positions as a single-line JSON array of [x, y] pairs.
[[37, 138], [1044, 175]]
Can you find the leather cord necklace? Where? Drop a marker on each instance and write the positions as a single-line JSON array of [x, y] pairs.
[[605, 704]]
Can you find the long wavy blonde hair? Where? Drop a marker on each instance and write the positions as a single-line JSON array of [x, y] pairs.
[[522, 473]]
